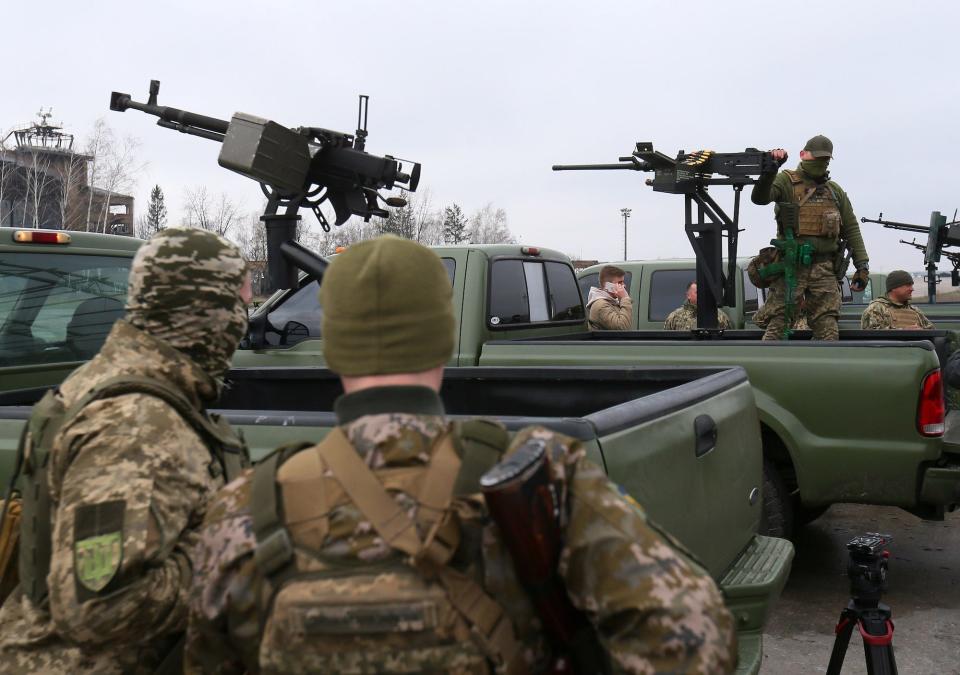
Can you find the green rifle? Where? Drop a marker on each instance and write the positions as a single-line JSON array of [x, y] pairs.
[[793, 255]]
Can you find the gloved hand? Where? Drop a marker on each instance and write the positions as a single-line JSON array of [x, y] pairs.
[[860, 279]]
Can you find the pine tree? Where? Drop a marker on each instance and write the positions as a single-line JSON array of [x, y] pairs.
[[156, 219], [454, 225]]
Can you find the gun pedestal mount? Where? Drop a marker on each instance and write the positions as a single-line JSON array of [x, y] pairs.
[[940, 234], [705, 223], [296, 168]]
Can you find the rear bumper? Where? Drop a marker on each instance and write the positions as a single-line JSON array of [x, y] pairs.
[[750, 587], [940, 482]]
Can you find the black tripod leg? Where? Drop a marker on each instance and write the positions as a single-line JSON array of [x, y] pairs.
[[876, 628], [843, 631]]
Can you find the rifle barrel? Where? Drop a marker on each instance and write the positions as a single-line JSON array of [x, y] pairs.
[[596, 167]]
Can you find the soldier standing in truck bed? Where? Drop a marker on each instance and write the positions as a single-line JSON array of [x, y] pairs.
[[824, 219]]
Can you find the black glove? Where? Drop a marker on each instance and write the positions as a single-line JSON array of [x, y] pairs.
[[860, 279]]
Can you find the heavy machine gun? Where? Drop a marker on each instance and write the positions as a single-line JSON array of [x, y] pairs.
[[296, 168], [691, 174], [940, 234]]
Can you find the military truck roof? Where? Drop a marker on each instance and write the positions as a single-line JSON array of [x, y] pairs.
[[25, 238], [504, 249]]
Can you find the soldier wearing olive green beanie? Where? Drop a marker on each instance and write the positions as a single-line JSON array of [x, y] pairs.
[[386, 309]]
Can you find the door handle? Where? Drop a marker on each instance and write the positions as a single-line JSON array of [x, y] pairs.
[[705, 435]]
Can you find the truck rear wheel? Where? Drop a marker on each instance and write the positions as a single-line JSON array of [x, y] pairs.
[[776, 519]]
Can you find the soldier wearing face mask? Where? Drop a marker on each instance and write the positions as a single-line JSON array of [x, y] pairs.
[[820, 215]]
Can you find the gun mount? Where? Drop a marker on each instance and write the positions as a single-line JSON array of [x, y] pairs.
[[691, 174], [296, 168], [940, 234]]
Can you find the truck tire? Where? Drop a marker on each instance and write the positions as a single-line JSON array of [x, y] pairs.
[[776, 519]]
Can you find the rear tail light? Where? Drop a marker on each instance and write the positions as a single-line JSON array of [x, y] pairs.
[[931, 411], [40, 237]]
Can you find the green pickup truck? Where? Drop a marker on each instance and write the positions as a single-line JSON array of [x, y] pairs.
[[860, 420], [659, 431]]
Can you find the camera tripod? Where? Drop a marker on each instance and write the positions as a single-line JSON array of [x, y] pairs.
[[867, 570], [876, 629]]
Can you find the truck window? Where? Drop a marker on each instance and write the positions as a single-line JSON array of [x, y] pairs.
[[668, 291], [593, 279], [56, 308], [525, 291], [303, 307], [751, 299], [565, 301]]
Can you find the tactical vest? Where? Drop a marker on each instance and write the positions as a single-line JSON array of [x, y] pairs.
[[415, 611], [819, 207], [903, 317], [50, 416]]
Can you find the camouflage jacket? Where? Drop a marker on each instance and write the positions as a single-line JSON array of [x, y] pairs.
[[135, 455], [656, 612], [776, 187], [762, 317], [607, 314], [878, 314], [685, 318]]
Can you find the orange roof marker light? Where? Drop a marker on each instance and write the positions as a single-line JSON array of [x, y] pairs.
[[340, 249], [40, 237], [530, 250]]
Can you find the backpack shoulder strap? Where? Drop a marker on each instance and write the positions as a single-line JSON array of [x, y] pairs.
[[480, 443]]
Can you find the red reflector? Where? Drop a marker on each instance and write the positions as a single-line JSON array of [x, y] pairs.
[[530, 250], [40, 237], [931, 410]]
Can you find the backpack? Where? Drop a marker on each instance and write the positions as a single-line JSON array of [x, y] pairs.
[[49, 416], [412, 612]]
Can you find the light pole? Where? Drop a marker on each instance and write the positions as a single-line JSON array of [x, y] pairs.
[[626, 214]]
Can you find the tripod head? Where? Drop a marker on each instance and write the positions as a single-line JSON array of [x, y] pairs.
[[867, 567]]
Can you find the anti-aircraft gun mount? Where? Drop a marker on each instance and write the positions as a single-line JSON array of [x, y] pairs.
[[690, 174], [296, 168], [940, 234]]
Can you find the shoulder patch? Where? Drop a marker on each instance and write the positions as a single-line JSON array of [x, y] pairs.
[[98, 544]]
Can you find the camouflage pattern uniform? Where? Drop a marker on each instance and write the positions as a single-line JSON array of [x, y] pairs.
[[818, 281], [655, 611], [134, 453], [762, 317], [685, 318], [885, 314]]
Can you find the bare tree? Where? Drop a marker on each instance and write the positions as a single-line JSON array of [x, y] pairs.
[[40, 184], [489, 226], [120, 167], [202, 210], [98, 142], [70, 175]]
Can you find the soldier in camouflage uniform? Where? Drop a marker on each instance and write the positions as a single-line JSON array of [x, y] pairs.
[[416, 582], [894, 310], [825, 220], [685, 316], [762, 316], [129, 475]]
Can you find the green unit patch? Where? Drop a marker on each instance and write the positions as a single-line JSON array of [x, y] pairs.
[[98, 545], [97, 560]]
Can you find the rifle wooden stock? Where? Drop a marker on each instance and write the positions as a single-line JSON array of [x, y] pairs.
[[521, 501]]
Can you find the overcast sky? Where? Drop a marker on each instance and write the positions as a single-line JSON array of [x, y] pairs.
[[488, 95]]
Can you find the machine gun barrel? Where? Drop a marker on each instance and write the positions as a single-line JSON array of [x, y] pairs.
[[894, 225], [599, 167], [172, 118]]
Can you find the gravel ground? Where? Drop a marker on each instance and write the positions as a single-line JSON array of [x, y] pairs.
[[924, 594]]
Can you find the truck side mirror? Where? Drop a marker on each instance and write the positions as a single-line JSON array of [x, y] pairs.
[[293, 332]]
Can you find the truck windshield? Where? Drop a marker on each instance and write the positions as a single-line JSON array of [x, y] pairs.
[[56, 308]]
